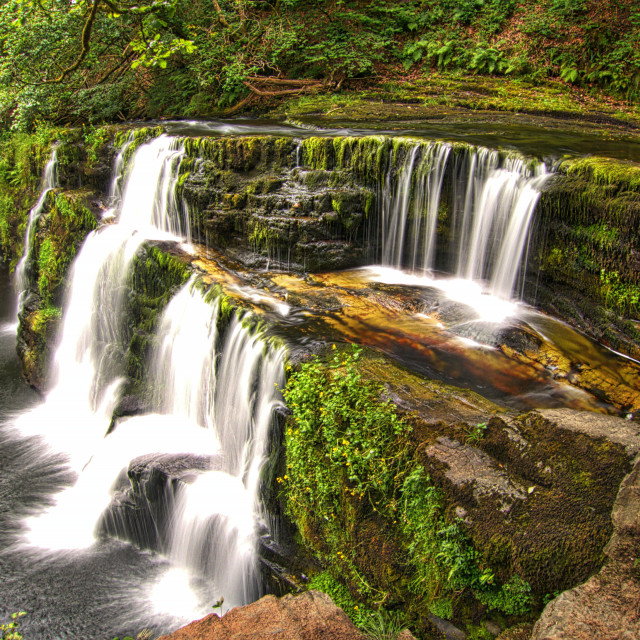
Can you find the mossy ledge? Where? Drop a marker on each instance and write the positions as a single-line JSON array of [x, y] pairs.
[[483, 515], [586, 257]]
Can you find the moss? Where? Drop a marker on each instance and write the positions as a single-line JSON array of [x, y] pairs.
[[242, 153], [22, 161], [588, 217], [154, 277], [621, 174], [37, 337], [363, 502], [59, 234], [439, 94]]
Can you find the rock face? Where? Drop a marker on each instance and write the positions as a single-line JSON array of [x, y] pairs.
[[256, 204], [607, 606], [144, 499], [534, 492], [309, 616]]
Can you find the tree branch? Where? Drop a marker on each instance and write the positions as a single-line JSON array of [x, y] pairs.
[[221, 19], [86, 40], [282, 92]]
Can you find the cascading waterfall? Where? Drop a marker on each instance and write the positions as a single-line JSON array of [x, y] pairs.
[[49, 182], [88, 363], [215, 396], [149, 202], [493, 201], [496, 214], [230, 385]]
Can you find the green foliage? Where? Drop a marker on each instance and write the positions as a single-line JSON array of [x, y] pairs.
[[188, 58], [94, 139], [619, 295], [47, 268], [349, 453], [477, 433], [384, 625], [513, 598], [377, 624], [357, 612], [9, 630]]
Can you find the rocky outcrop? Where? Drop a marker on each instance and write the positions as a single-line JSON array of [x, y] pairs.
[[255, 203], [143, 499], [309, 616], [606, 607], [535, 492]]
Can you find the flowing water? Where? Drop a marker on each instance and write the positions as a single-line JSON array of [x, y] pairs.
[[71, 550], [217, 410], [49, 182], [493, 201]]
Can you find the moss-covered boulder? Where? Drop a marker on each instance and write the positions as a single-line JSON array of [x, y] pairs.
[[478, 514], [154, 277]]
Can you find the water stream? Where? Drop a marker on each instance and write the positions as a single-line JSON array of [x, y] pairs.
[[221, 411], [71, 552]]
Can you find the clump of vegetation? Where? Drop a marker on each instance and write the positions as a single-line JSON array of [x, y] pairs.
[[350, 462], [65, 64], [9, 630]]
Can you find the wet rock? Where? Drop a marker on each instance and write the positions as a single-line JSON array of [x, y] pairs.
[[144, 497], [309, 616], [284, 217], [468, 465], [448, 630]]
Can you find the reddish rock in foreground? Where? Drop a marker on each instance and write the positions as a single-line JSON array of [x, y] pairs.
[[309, 616]]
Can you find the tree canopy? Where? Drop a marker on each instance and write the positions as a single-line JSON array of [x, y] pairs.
[[74, 61]]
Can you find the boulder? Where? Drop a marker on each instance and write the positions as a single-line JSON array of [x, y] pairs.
[[309, 616], [607, 606]]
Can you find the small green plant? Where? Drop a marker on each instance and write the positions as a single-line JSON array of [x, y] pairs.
[[476, 434], [384, 625], [619, 295], [94, 138], [513, 598], [9, 630], [357, 612]]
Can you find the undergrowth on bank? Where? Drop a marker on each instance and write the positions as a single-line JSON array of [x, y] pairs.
[[65, 64], [10, 630], [350, 460]]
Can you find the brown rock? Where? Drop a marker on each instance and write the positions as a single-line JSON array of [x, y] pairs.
[[309, 616]]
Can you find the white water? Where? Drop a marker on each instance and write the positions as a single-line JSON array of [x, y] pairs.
[[88, 363], [490, 215], [49, 182], [149, 203], [230, 385], [214, 398]]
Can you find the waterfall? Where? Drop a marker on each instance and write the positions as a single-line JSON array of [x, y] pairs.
[[213, 393], [88, 363], [493, 201], [395, 209], [49, 182], [229, 385], [149, 202], [498, 205]]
